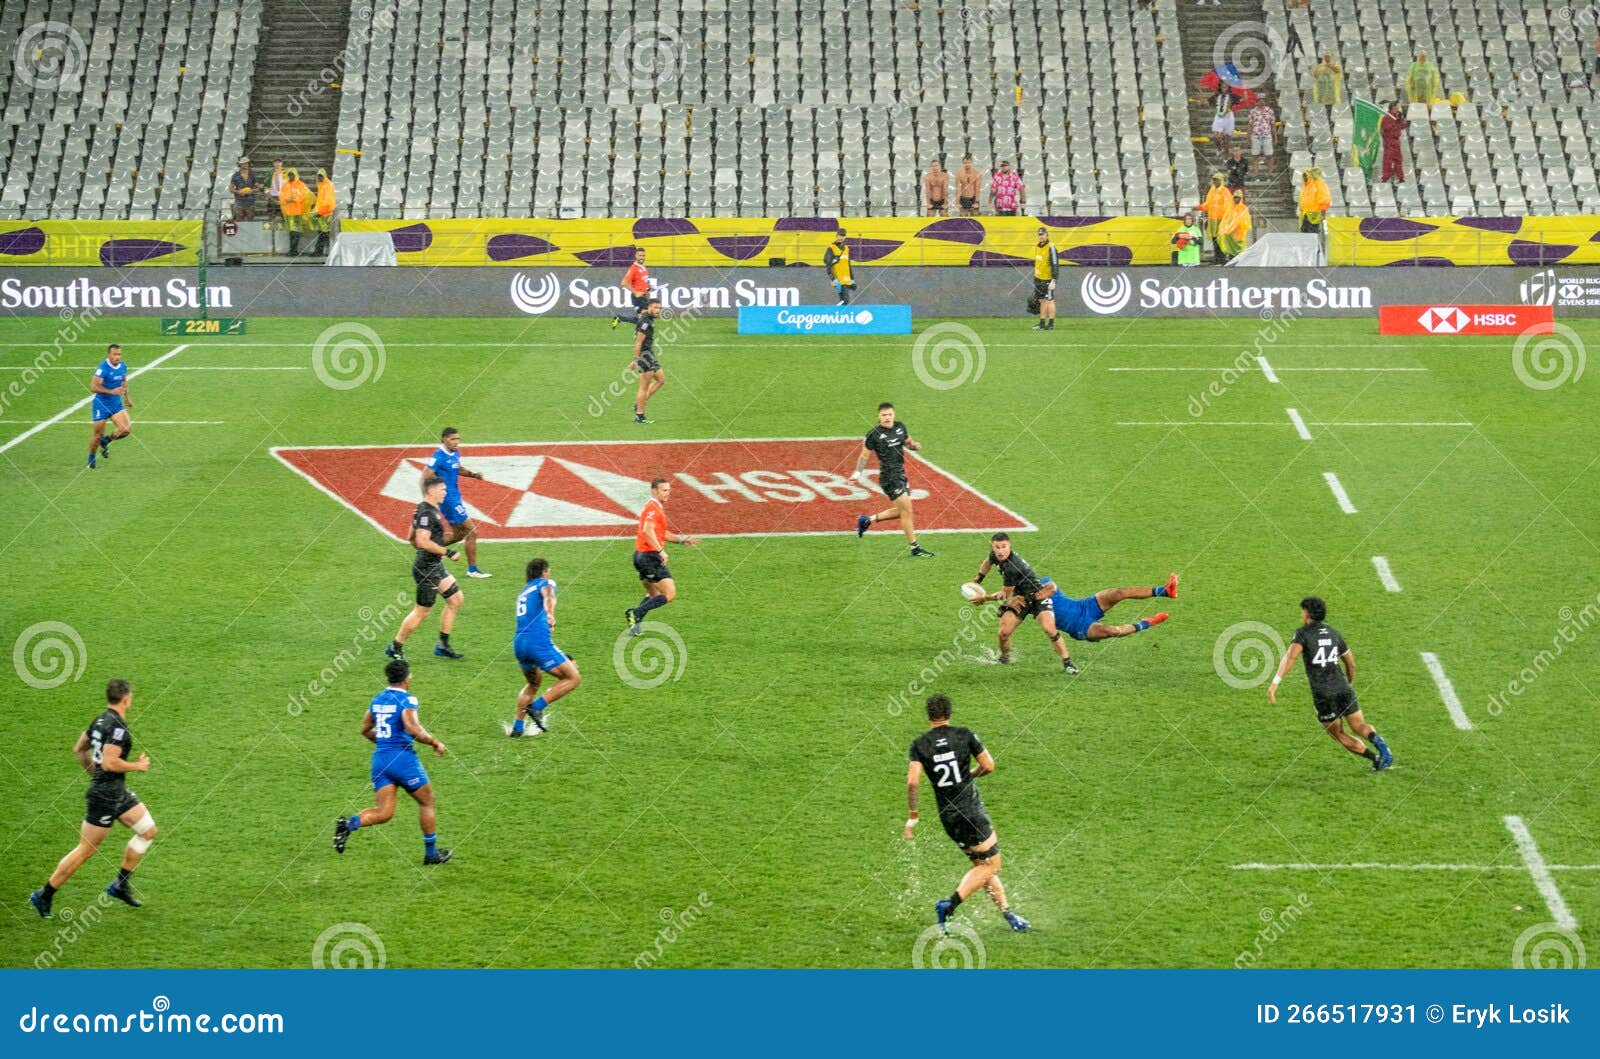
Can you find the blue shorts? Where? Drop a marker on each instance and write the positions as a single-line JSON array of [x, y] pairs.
[[399, 768], [1074, 616], [538, 654], [104, 406], [455, 512]]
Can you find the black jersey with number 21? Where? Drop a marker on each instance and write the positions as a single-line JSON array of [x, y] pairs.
[[946, 753]]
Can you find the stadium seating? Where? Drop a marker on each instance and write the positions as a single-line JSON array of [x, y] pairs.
[[1519, 145], [502, 108], [149, 120]]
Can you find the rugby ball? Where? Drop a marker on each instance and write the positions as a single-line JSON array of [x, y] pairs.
[[972, 591]]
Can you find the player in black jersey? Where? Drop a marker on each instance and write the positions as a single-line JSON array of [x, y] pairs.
[[889, 440], [1325, 652], [644, 357], [103, 752], [427, 570], [946, 753]]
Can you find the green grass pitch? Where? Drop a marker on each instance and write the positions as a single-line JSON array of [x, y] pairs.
[[764, 788]]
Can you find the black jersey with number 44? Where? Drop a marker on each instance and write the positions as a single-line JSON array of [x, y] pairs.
[[946, 753], [108, 729], [427, 518], [890, 446], [1322, 646]]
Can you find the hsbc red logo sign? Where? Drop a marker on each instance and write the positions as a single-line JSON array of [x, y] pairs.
[[1465, 319], [536, 491]]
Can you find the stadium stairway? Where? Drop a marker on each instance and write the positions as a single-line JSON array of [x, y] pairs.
[[1211, 35], [294, 105]]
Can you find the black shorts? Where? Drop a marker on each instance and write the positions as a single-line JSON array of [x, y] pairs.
[[967, 828], [894, 488], [936, 204], [640, 301], [969, 203], [427, 576], [1332, 707], [102, 805], [1005, 213], [1044, 290], [646, 362], [651, 567]]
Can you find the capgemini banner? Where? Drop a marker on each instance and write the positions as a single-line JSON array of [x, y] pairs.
[[825, 320]]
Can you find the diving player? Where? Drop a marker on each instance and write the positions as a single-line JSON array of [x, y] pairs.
[[1331, 693], [945, 752], [446, 464], [536, 652], [427, 570], [109, 384], [392, 724], [889, 439]]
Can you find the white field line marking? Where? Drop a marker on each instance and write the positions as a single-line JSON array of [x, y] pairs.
[[139, 422], [65, 412], [1338, 492], [1278, 423], [1230, 367], [1408, 867], [1541, 874], [182, 367], [603, 318], [1386, 575], [1447, 691], [1299, 424], [1266, 369]]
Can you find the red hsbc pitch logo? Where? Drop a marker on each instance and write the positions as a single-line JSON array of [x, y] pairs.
[[535, 491]]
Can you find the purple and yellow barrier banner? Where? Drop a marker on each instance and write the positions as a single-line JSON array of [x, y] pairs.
[[1527, 241], [114, 244]]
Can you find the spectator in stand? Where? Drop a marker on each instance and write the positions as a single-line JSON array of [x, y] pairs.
[[275, 188], [935, 189], [1186, 242], [969, 187], [1422, 81], [1314, 201], [1215, 207], [1235, 234], [1222, 113], [1006, 193], [1238, 168], [243, 186], [1596, 54], [1327, 81], [322, 212], [293, 199], [1390, 129], [1263, 137]]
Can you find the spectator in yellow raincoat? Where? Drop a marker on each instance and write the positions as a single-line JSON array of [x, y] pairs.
[[1235, 233], [1422, 80], [1215, 206], [1314, 200], [293, 199], [322, 212]]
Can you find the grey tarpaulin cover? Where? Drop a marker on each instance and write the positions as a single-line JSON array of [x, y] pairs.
[[362, 248], [1282, 249]]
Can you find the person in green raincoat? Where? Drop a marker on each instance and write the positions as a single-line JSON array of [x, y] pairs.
[[1422, 81], [1327, 81]]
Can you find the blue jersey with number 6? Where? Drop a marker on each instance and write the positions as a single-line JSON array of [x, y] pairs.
[[388, 726], [533, 624]]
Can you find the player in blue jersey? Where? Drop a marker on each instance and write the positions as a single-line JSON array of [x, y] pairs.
[[536, 652], [391, 722], [446, 464], [110, 403]]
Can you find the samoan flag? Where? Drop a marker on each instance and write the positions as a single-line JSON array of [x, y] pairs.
[[1228, 74]]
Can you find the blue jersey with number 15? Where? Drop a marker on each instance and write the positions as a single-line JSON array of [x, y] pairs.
[[388, 726], [533, 624]]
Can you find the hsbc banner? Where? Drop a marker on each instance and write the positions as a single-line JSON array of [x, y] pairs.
[[537, 294], [826, 320], [1465, 319]]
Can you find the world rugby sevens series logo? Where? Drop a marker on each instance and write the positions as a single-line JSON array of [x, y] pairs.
[[535, 297], [1108, 295]]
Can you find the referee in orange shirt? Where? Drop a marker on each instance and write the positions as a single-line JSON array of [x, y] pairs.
[[636, 281], [650, 557]]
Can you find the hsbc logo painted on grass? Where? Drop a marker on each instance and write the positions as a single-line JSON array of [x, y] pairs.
[[534, 491]]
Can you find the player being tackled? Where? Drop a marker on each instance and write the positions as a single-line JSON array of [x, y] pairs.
[[1331, 669]]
